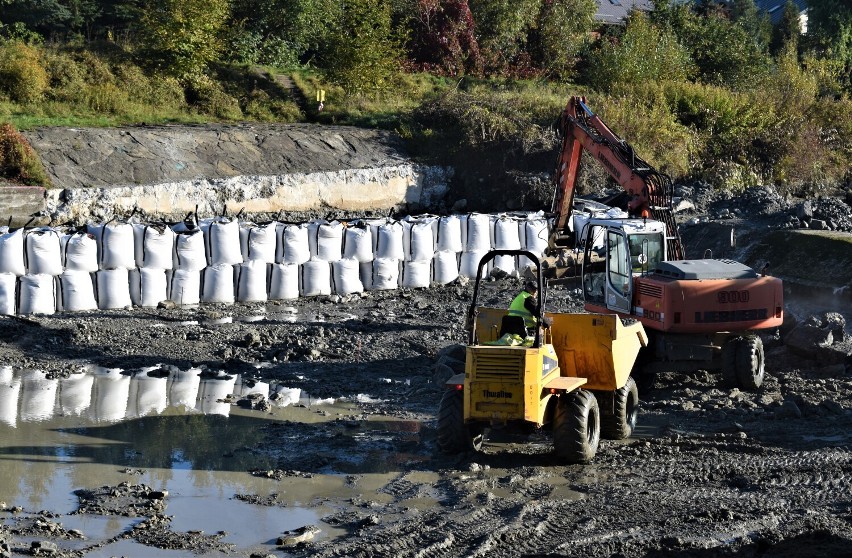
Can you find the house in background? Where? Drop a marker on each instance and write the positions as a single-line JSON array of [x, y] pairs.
[[614, 12], [774, 8]]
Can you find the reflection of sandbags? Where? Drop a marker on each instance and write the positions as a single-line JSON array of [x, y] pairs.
[[419, 239], [315, 278], [506, 234], [389, 241], [79, 252], [222, 236], [258, 242], [470, 263], [213, 395], [476, 232], [117, 249], [38, 395], [185, 287], [8, 294], [346, 278], [358, 243], [417, 274], [284, 282], [326, 240], [12, 251], [37, 294], [190, 253], [183, 387], [217, 284], [75, 393], [109, 394], [113, 289], [43, 252], [445, 267], [293, 244], [77, 291], [148, 393], [449, 234], [10, 390], [154, 246], [244, 388], [385, 274], [252, 280], [148, 287]]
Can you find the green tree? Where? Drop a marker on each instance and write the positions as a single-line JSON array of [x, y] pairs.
[[755, 23], [788, 29], [181, 37], [830, 25], [644, 52], [563, 31], [364, 51], [502, 29]]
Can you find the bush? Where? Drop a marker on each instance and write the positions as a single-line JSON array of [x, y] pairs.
[[22, 76], [208, 97], [18, 160]]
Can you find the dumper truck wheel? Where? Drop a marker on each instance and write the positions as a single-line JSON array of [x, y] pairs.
[[454, 436], [750, 363], [619, 423], [576, 427]]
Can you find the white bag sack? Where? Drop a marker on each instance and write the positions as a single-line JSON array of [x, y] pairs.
[[252, 281], [113, 288], [8, 293], [284, 282], [79, 252], [506, 234], [43, 252], [37, 294], [417, 274], [259, 242], [315, 278], [293, 244], [222, 237], [358, 243], [346, 278], [326, 240], [117, 249], [469, 263], [190, 253], [505, 263], [385, 274], [148, 287], [185, 287], [419, 239], [12, 252], [445, 267], [77, 291], [449, 236], [389, 241], [218, 284], [154, 246], [477, 232]]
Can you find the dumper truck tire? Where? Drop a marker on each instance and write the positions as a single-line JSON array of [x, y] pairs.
[[729, 361], [750, 363], [619, 420], [454, 436], [576, 427]]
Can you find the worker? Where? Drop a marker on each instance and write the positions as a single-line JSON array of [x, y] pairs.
[[525, 305]]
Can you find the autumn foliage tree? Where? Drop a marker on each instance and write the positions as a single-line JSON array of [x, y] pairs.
[[444, 39]]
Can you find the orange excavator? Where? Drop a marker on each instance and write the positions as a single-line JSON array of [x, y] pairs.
[[699, 314]]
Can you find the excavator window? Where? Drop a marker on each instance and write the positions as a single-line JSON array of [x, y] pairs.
[[646, 251], [619, 263]]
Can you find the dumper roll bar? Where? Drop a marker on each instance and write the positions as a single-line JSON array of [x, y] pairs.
[[471, 312]]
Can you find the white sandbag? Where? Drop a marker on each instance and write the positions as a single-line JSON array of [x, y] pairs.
[[365, 270], [154, 246], [417, 274], [37, 294], [218, 284], [326, 240], [389, 241], [476, 232], [508, 264], [449, 237], [506, 233], [8, 298], [358, 243], [284, 281], [12, 251], [293, 244], [113, 288], [315, 278], [77, 291], [259, 242], [419, 239], [185, 286], [222, 237], [190, 253], [346, 278], [252, 279], [79, 252], [469, 263], [43, 252], [534, 235], [385, 274], [117, 249], [445, 267], [148, 287]]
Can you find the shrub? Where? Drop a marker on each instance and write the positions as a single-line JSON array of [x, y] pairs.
[[22, 76], [18, 160], [208, 97]]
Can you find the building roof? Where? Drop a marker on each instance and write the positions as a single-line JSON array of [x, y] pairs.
[[616, 11], [776, 7]]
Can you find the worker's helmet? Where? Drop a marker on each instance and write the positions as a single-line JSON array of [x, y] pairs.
[[530, 286]]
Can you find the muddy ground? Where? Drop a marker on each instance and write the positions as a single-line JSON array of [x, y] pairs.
[[710, 471]]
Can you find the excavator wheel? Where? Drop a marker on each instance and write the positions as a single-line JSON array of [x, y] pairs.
[[619, 424], [454, 436], [576, 427], [730, 378], [750, 363]]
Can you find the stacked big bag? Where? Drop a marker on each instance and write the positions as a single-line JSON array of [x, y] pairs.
[[119, 264]]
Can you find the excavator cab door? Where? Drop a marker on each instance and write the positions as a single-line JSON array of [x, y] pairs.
[[607, 273]]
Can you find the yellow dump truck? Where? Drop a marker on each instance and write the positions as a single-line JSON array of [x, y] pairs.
[[571, 373]]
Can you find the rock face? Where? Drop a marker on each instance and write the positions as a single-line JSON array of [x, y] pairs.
[[166, 171]]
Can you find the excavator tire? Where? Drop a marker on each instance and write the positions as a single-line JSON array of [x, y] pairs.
[[730, 349], [750, 363], [576, 427], [619, 424], [454, 436]]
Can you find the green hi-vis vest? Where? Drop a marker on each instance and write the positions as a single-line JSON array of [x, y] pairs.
[[517, 308]]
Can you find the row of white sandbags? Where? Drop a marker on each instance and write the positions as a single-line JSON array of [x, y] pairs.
[[224, 241], [253, 281]]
